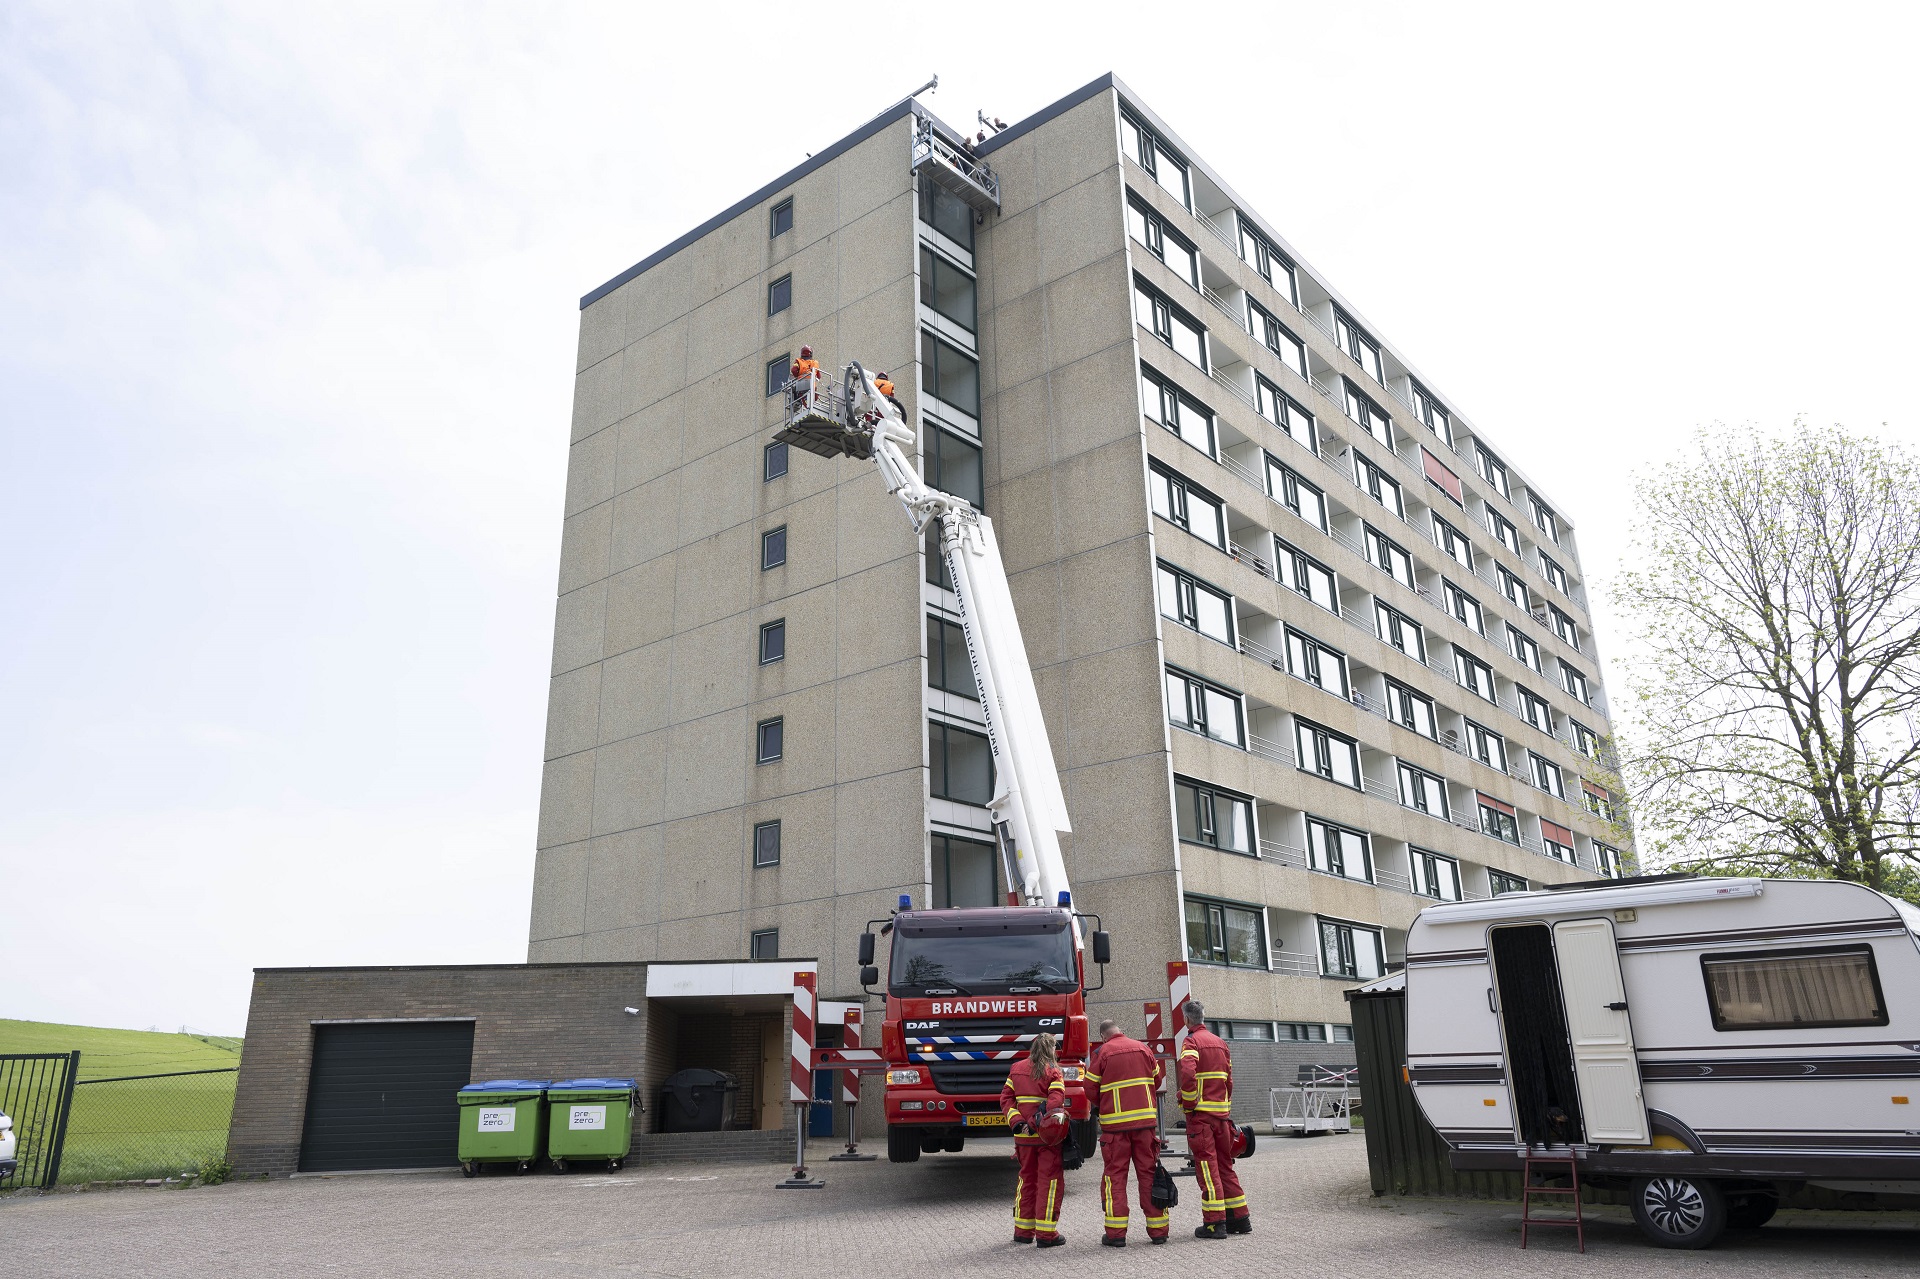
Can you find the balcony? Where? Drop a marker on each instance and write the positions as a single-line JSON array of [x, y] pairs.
[[964, 175]]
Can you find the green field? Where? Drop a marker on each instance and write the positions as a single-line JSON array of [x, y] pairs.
[[136, 1127]]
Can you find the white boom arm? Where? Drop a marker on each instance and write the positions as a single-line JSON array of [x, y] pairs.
[[1029, 810]]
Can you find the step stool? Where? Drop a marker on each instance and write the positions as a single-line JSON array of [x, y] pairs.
[[1528, 1190]]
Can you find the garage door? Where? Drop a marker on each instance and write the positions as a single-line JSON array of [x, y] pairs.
[[381, 1095]]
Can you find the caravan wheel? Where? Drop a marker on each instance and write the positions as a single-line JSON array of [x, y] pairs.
[[1679, 1212]]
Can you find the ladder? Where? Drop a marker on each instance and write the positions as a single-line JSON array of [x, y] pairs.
[[1549, 1165]]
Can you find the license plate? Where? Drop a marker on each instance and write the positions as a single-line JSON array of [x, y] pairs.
[[986, 1121]]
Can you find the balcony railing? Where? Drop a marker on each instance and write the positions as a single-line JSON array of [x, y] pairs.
[[1267, 748], [1294, 965]]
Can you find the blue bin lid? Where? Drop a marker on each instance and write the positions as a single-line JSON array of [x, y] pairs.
[[598, 1085], [507, 1085]]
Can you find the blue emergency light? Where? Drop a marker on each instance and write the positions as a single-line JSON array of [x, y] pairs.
[[906, 901], [1066, 899]]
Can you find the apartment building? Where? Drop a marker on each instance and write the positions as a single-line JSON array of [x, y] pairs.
[[1313, 650]]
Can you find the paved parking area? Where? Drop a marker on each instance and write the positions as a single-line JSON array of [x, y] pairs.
[[1312, 1211]]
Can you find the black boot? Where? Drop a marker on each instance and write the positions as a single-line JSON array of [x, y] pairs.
[[1054, 1241], [1211, 1230], [1113, 1241], [1240, 1225]]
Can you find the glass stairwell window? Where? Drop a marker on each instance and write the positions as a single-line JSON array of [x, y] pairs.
[[947, 290]]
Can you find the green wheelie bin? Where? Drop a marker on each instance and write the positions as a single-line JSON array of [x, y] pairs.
[[590, 1119], [501, 1123]]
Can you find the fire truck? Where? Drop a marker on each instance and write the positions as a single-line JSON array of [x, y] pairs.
[[968, 989]]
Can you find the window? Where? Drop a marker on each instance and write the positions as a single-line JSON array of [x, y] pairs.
[[954, 464], [773, 548], [780, 295], [1304, 1032], [1172, 248], [1498, 819], [1547, 776], [1370, 417], [1355, 341], [1575, 683], [1466, 608], [948, 667], [1512, 587], [1535, 710], [1167, 168], [1262, 1030], [947, 290], [1585, 740], [1557, 841], [1285, 412], [1564, 628], [1422, 791], [1181, 414], [1410, 709], [1522, 647], [1555, 575], [777, 370], [1598, 799], [764, 944], [1303, 499], [773, 642], [954, 375], [1323, 751], [1795, 989], [960, 764], [1543, 516], [1473, 674], [946, 213], [1486, 746], [1339, 850], [1218, 933], [1195, 605], [936, 559], [1314, 662], [780, 219], [1503, 530], [1216, 818], [1453, 543], [1378, 485], [1203, 708], [1401, 631], [1433, 413], [1433, 875], [1353, 951], [1169, 323], [766, 844], [1342, 1034], [1184, 504], [1277, 337], [1307, 575], [773, 461], [1492, 470], [1609, 859], [1389, 555], [1273, 265], [966, 872], [1501, 882], [770, 740]]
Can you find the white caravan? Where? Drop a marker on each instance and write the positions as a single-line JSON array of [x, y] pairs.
[[1707, 1044]]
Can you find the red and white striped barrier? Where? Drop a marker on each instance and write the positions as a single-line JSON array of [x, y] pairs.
[[850, 1040], [1179, 991], [800, 1068]]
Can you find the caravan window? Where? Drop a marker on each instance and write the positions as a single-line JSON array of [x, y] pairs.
[[1796, 989]]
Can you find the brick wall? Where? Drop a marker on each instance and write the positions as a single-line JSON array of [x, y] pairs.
[[551, 1021]]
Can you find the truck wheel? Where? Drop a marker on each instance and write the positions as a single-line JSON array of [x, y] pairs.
[[903, 1144], [1086, 1136], [1751, 1210], [1673, 1211]]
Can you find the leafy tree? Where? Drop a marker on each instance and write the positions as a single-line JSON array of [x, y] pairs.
[[1776, 605]]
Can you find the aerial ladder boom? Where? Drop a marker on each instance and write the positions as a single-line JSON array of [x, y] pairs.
[[1028, 807]]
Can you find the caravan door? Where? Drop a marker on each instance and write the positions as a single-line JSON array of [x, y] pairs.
[[1599, 1031]]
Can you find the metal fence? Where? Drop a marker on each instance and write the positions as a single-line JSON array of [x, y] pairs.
[[137, 1127], [36, 1090]]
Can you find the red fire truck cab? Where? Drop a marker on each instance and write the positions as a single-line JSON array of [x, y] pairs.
[[967, 992]]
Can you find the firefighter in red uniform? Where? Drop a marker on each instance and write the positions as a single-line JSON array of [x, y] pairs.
[[1125, 1076], [1206, 1094], [1034, 1100]]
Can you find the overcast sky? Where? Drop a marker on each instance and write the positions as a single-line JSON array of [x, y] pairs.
[[288, 307]]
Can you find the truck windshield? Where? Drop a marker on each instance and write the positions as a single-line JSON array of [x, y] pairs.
[[992, 962]]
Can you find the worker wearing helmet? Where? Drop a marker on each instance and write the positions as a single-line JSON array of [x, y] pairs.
[[806, 366], [1125, 1076], [1034, 1100], [1206, 1094], [884, 384]]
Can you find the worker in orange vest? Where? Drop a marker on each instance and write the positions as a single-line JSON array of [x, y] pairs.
[[1206, 1094], [1125, 1076], [806, 366], [1034, 1100]]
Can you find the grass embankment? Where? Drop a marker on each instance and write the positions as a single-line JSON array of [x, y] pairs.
[[136, 1127]]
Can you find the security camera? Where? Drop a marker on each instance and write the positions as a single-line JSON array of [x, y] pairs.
[[631, 1012]]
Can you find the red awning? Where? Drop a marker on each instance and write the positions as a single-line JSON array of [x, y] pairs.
[[1445, 480], [1598, 792], [1558, 834], [1497, 805]]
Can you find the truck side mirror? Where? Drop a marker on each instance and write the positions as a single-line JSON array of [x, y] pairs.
[[869, 975], [1102, 948], [866, 948]]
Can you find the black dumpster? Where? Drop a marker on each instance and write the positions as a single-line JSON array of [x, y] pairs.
[[697, 1100]]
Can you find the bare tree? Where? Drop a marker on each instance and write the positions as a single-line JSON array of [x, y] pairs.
[[1777, 609]]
